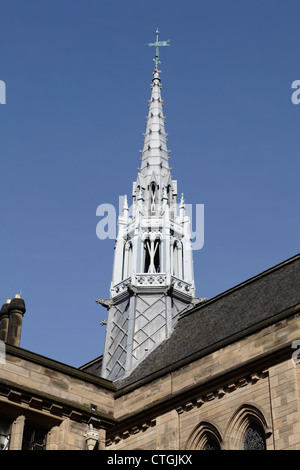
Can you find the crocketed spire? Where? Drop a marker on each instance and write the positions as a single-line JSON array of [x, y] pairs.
[[153, 279], [154, 182], [155, 155]]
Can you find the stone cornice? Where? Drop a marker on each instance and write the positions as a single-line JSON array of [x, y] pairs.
[[59, 367], [195, 396], [54, 406]]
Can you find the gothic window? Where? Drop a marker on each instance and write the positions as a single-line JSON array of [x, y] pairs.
[[152, 256], [254, 438], [147, 250], [156, 260], [5, 427], [127, 260], [153, 197], [204, 437], [34, 439], [248, 429], [177, 259], [211, 444]]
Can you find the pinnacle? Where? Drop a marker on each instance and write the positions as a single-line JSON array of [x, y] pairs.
[[155, 153]]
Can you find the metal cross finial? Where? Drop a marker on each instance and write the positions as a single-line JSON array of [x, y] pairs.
[[158, 44]]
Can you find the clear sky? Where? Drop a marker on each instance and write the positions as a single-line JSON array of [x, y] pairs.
[[77, 77]]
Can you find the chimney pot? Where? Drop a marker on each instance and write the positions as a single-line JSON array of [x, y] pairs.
[[16, 309], [4, 322]]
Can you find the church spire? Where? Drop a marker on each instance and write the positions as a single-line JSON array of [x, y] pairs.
[[153, 279], [154, 179], [155, 155]]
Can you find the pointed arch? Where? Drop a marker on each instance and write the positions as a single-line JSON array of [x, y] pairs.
[[205, 436], [153, 196], [153, 189], [177, 260], [127, 263], [152, 252], [248, 419]]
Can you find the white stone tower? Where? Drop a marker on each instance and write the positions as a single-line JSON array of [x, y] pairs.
[[153, 279]]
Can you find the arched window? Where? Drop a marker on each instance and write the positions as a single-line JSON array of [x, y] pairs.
[[152, 255], [177, 259], [247, 429], [156, 257], [127, 261], [153, 197], [147, 255], [204, 437], [254, 437], [211, 444]]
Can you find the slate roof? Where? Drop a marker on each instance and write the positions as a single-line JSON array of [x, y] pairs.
[[235, 313]]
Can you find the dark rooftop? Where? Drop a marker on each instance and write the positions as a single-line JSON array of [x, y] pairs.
[[233, 314]]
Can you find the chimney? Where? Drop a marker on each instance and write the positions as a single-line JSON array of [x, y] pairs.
[[4, 321], [16, 309]]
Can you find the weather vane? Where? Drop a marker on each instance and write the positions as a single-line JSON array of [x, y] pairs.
[[158, 44]]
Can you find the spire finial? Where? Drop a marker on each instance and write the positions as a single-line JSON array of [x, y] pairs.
[[157, 44]]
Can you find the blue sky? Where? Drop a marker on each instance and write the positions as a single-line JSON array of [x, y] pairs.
[[77, 75]]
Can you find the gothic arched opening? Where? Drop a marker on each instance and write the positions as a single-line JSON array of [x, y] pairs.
[[156, 258], [152, 256], [247, 429], [147, 256], [153, 197], [254, 437], [205, 437]]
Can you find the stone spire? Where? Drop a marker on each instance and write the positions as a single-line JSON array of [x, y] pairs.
[[154, 177], [155, 155], [153, 280]]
